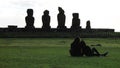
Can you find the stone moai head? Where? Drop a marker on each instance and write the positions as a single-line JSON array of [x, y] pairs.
[[88, 26], [88, 23], [75, 15], [60, 10], [30, 12], [46, 12]]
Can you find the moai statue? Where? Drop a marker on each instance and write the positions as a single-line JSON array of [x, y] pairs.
[[75, 22], [29, 19], [61, 19], [88, 25], [46, 20]]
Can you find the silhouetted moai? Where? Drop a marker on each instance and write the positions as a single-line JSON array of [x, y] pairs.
[[29, 19], [61, 19], [75, 22], [46, 20], [88, 25]]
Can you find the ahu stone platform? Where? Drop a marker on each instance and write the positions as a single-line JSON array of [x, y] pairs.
[[14, 32]]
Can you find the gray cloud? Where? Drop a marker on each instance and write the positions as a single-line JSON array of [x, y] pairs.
[[23, 3]]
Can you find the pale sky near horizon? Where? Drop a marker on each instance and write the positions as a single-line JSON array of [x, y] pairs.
[[101, 13]]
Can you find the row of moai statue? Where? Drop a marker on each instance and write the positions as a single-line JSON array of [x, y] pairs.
[[60, 17]]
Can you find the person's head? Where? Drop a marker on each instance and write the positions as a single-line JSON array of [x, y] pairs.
[[46, 12], [83, 43], [30, 12], [77, 39]]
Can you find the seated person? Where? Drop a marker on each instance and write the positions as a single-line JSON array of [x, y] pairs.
[[76, 49], [90, 51]]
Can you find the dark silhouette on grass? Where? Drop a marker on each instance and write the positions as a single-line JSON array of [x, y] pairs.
[[46, 20], [61, 18], [79, 48], [75, 21], [76, 48], [87, 51], [29, 19], [88, 26]]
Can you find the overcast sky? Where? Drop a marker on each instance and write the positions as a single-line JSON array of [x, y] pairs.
[[101, 13]]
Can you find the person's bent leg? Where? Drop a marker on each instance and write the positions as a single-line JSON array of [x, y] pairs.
[[95, 52]]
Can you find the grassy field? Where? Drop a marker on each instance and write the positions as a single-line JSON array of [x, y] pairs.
[[54, 53]]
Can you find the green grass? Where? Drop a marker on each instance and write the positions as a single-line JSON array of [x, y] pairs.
[[54, 53]]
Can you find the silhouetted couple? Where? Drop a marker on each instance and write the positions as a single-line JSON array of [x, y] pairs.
[[79, 48]]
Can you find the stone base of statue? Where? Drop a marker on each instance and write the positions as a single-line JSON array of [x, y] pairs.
[[29, 27], [75, 28], [61, 27], [46, 28]]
